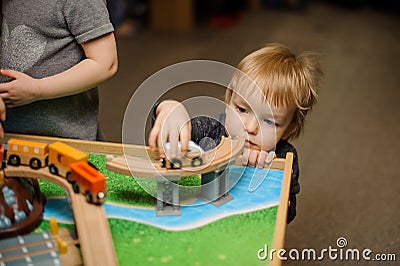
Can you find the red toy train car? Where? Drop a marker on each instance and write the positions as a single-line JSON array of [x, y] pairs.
[[88, 180]]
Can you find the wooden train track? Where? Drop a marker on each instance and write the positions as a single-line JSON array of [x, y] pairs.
[[91, 222], [143, 161], [148, 166]]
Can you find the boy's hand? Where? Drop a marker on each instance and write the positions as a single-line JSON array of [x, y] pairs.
[[2, 116], [22, 90], [256, 158], [172, 124]]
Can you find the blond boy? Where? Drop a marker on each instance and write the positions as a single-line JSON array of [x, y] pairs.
[[267, 100]]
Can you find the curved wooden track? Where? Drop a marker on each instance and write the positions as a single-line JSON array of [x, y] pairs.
[[91, 222], [149, 166]]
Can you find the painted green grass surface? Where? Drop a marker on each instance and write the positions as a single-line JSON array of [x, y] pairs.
[[234, 240], [129, 190], [50, 189], [124, 189]]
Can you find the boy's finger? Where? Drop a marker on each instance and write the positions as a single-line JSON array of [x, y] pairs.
[[173, 139], [270, 157], [184, 138], [261, 158], [153, 138], [252, 158], [4, 89], [8, 73], [160, 146], [245, 156]]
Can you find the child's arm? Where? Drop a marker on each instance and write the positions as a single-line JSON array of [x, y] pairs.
[[172, 124], [100, 64]]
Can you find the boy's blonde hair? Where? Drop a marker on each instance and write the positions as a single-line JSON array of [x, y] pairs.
[[284, 78]]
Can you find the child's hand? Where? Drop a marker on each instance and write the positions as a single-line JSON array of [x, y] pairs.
[[2, 116], [22, 90], [172, 125], [256, 158]]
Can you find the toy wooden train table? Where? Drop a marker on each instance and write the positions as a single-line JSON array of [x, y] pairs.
[[126, 230]]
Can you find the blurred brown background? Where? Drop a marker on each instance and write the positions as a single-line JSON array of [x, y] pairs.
[[349, 152]]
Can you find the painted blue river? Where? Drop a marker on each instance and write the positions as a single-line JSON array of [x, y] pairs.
[[196, 213]]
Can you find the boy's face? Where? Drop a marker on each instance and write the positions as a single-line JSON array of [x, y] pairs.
[[265, 125]]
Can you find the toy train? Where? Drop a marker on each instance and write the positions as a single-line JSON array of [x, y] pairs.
[[191, 158], [62, 160]]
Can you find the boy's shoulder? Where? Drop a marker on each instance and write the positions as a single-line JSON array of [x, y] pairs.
[[205, 123], [284, 147], [207, 131]]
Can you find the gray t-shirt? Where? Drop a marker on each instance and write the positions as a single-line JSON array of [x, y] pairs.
[[42, 38]]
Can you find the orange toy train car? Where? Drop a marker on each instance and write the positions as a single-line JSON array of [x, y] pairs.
[[88, 180]]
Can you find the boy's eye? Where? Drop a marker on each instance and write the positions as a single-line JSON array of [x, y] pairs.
[[241, 109], [270, 122]]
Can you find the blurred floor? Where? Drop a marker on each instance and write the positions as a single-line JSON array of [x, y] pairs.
[[348, 155]]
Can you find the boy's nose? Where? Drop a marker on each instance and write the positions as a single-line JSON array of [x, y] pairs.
[[251, 125]]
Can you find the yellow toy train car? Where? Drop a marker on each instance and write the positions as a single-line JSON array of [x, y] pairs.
[[25, 152], [61, 156]]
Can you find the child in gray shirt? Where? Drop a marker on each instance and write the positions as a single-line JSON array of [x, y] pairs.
[[54, 53]]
